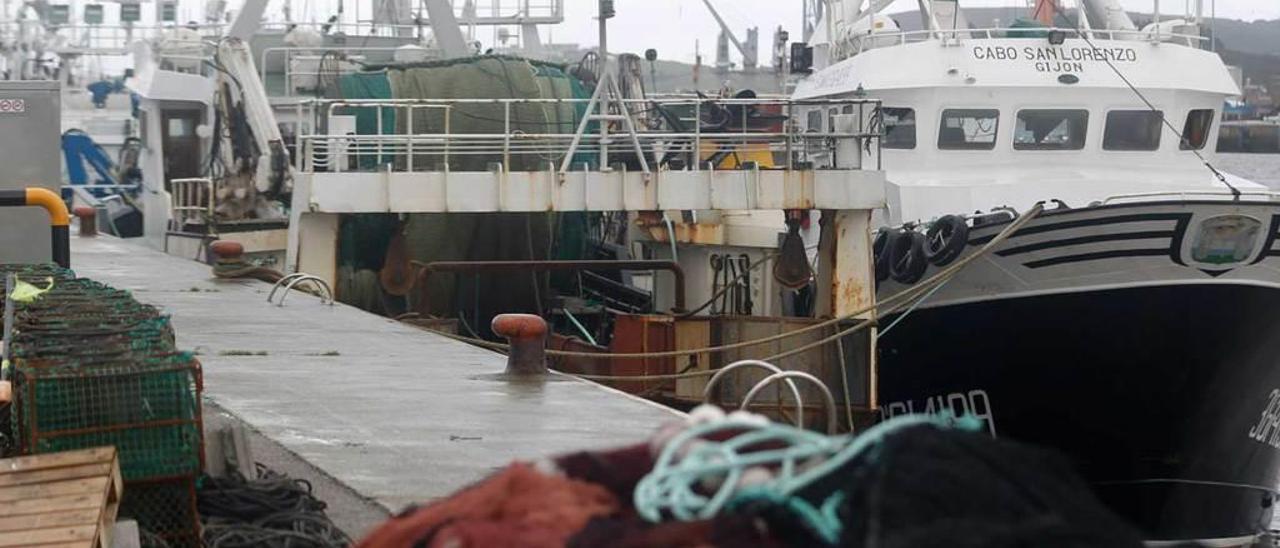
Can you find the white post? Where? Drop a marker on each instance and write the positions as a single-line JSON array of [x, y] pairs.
[[603, 68]]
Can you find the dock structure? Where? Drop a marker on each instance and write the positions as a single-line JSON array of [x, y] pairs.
[[397, 414], [429, 156]]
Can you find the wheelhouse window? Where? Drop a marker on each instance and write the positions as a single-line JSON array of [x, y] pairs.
[[899, 127], [968, 129], [1132, 130], [1196, 131], [1051, 129], [814, 121]]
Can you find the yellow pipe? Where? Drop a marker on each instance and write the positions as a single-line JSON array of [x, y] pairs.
[[51, 202]]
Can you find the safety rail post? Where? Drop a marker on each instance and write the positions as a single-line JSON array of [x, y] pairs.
[[408, 130], [506, 135], [448, 135], [697, 135], [59, 217]]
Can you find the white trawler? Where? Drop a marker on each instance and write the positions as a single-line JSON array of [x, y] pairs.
[[1133, 323]]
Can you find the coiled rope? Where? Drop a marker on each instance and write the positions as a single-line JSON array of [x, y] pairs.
[[794, 459], [272, 510]]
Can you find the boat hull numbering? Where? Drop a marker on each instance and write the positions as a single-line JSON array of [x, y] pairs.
[[1136, 337]]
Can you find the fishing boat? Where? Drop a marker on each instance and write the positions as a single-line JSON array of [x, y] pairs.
[[1131, 323]]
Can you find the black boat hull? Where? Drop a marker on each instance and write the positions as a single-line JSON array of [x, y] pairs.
[[1166, 396]]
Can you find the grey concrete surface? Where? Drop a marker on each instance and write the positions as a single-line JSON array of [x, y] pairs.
[[356, 515], [396, 414]]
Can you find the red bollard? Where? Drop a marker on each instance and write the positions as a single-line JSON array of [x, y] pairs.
[[527, 335], [227, 251], [88, 220]]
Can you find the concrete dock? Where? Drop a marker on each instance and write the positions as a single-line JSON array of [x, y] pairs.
[[393, 413]]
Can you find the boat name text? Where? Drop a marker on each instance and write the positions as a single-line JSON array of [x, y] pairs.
[[974, 403], [1055, 59], [1268, 428]]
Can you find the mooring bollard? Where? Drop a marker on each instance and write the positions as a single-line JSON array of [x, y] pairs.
[[527, 335], [88, 220], [227, 251]]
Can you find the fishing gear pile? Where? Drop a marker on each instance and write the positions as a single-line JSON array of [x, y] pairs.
[[92, 367], [271, 510], [739, 480]]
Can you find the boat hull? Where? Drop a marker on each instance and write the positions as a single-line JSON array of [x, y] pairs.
[[1164, 396], [1140, 338]]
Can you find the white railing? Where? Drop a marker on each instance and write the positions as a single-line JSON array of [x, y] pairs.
[[1184, 195], [732, 134], [192, 202], [855, 44], [483, 13], [100, 39]]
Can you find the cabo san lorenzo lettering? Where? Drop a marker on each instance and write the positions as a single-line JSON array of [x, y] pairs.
[[1055, 59]]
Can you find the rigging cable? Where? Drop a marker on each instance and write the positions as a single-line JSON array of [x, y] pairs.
[[1235, 192], [897, 300]]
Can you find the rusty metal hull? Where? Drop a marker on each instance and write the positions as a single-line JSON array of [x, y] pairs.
[[660, 333]]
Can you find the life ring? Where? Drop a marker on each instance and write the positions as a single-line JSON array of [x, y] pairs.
[[884, 241], [907, 261], [945, 239]]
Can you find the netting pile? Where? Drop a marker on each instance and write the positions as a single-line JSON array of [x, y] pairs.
[[365, 239], [918, 484], [93, 367]]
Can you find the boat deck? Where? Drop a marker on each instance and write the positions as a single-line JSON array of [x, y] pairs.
[[397, 414]]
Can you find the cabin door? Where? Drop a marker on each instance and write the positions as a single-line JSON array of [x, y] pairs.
[[181, 144]]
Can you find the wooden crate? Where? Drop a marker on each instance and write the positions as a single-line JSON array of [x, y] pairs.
[[60, 499]]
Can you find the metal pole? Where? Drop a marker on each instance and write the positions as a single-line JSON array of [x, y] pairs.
[[697, 136], [603, 67], [10, 282], [506, 135]]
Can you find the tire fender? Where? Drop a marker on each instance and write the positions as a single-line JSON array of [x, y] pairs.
[[945, 240], [907, 261]]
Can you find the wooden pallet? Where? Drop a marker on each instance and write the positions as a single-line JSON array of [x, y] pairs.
[[60, 499]]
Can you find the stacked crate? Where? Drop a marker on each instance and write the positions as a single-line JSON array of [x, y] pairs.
[[94, 367]]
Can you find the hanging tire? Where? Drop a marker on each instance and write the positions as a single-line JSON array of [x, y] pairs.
[[880, 246], [945, 240], [907, 261]]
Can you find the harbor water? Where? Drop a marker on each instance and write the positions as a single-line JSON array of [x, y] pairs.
[[1263, 168]]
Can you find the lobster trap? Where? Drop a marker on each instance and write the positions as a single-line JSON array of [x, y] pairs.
[[149, 409], [91, 366]]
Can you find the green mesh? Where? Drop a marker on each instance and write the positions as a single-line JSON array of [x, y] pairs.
[[368, 85], [92, 367], [165, 508], [492, 77], [364, 237], [149, 409]]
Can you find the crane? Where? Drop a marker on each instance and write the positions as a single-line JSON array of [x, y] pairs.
[[750, 50]]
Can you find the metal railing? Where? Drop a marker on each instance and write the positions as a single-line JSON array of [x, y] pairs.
[[192, 202], [851, 45], [100, 39], [304, 68], [1185, 195], [483, 13], [733, 134]]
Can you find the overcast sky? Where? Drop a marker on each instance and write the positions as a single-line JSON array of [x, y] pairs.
[[673, 26]]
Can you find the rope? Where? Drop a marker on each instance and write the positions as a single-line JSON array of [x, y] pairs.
[[725, 289], [272, 510], [1164, 120], [692, 460], [895, 300]]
